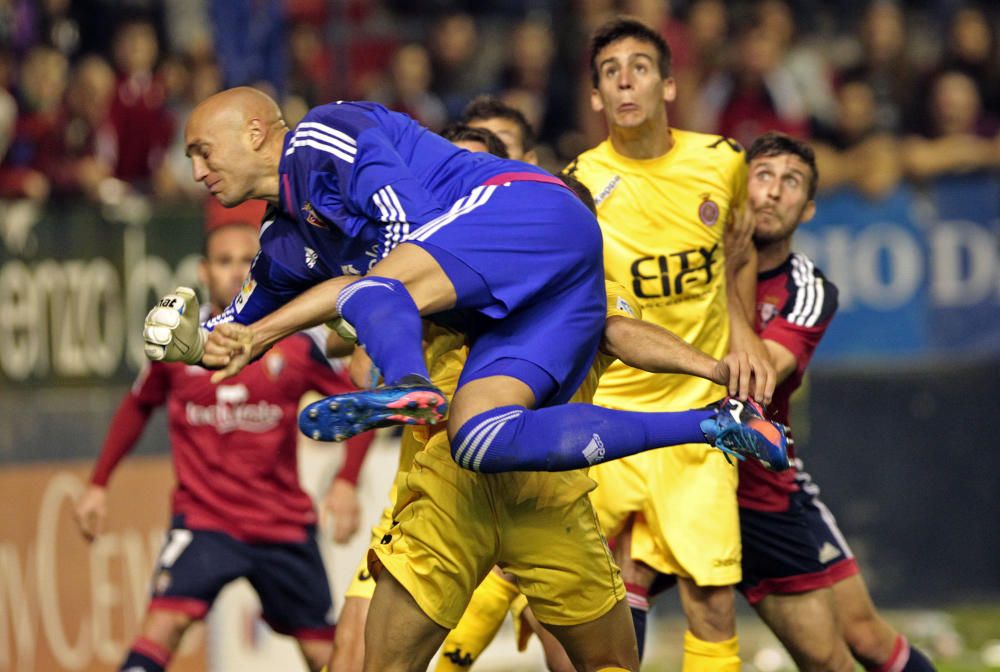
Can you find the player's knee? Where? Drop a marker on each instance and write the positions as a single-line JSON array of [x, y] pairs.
[[711, 612], [317, 653], [166, 627], [823, 656]]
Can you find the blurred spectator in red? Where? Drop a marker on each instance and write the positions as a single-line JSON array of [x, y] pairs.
[[757, 95], [463, 61], [311, 65], [963, 139], [886, 64], [79, 158], [139, 114], [526, 80], [853, 151], [408, 88], [41, 86], [707, 31]]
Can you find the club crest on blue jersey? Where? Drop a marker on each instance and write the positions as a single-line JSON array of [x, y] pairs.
[[311, 217]]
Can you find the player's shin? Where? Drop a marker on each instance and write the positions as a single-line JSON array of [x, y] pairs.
[[905, 658], [388, 324], [566, 437]]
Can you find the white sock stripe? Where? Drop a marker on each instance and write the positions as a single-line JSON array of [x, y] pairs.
[[320, 146], [355, 287], [472, 439], [330, 131], [481, 453], [326, 138], [469, 446]]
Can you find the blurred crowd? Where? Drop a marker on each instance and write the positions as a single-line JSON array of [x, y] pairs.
[[94, 94]]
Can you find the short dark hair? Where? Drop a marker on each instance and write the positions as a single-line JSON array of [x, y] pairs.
[[482, 108], [581, 191], [206, 239], [620, 28], [775, 143], [458, 132]]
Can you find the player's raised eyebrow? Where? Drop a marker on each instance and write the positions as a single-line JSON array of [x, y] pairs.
[[630, 57]]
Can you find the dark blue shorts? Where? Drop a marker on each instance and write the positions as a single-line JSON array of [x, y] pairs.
[[527, 257], [290, 578], [793, 551]]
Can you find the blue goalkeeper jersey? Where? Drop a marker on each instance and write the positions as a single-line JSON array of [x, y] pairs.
[[355, 180]]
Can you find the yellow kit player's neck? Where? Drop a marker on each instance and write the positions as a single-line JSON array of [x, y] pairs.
[[644, 143]]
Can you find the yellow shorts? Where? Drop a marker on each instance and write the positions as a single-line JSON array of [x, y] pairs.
[[687, 517], [363, 583], [452, 525]]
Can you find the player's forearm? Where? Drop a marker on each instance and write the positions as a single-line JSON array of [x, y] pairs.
[[314, 306], [126, 428], [652, 348]]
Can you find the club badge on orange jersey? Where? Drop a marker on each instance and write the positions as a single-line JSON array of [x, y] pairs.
[[708, 211]]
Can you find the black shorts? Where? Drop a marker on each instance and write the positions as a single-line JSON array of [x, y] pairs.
[[793, 551], [289, 578]]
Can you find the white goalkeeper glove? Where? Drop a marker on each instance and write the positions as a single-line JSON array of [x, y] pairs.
[[172, 331]]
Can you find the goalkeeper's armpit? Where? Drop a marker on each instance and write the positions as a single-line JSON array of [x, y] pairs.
[[172, 330]]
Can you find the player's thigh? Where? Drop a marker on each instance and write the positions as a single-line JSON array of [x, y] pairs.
[[806, 624], [193, 566], [294, 591], [349, 642], [399, 636], [634, 573], [607, 641], [556, 658], [422, 276]]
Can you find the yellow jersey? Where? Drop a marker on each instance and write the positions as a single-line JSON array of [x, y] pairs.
[[663, 221]]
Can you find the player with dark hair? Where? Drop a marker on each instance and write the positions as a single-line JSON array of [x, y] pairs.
[[664, 199], [508, 123], [798, 571], [238, 509], [475, 139]]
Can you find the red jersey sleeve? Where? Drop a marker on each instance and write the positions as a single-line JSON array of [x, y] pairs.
[[148, 391], [803, 320]]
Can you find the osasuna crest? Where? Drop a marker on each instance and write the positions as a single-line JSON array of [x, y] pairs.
[[708, 211], [275, 363], [767, 311]]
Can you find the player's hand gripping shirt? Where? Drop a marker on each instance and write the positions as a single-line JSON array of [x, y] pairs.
[[795, 304], [663, 221]]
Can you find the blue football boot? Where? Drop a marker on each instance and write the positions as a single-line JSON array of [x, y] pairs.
[[740, 429]]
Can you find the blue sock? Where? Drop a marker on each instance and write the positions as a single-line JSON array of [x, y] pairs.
[[570, 436], [638, 604], [388, 325]]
